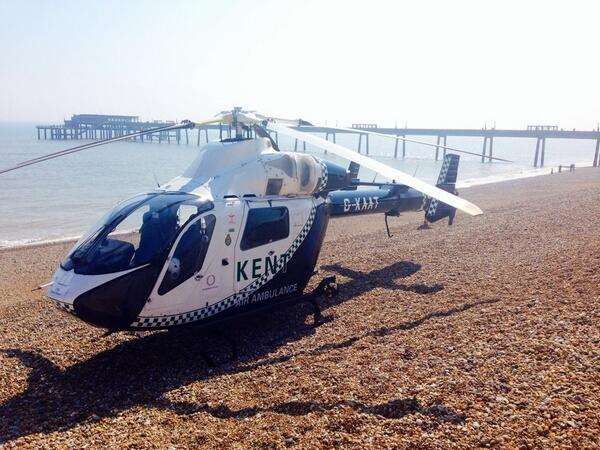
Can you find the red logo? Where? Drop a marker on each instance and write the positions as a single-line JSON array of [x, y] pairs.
[[210, 280]]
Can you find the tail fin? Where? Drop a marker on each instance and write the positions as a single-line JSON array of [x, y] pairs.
[[434, 209]]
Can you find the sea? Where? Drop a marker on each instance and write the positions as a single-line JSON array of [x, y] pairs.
[[60, 199]]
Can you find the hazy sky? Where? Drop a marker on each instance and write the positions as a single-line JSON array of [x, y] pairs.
[[447, 63]]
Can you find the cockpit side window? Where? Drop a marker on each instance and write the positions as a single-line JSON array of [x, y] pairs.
[[265, 225], [188, 257]]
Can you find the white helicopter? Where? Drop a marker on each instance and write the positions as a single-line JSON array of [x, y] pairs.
[[240, 229]]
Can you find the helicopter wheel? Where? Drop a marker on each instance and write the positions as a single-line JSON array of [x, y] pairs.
[[330, 291], [328, 288]]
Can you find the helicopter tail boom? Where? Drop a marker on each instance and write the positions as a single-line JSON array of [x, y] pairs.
[[393, 199]]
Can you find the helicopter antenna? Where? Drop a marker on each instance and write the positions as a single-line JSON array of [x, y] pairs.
[[260, 131], [156, 179], [416, 169]]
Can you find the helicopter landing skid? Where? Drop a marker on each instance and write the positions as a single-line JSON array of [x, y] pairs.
[[327, 288]]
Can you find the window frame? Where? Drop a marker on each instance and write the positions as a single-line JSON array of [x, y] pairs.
[[167, 286]]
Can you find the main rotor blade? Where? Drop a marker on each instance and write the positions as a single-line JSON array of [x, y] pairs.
[[393, 136], [39, 159], [289, 122], [218, 118], [383, 169]]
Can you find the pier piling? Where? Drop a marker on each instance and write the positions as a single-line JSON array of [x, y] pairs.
[[543, 154], [444, 144], [537, 152], [483, 151]]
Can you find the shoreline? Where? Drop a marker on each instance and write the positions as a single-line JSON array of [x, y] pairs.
[[524, 174], [464, 184]]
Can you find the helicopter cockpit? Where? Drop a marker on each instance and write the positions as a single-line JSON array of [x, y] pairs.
[[136, 232]]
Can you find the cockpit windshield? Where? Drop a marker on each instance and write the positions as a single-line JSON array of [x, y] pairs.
[[134, 233]]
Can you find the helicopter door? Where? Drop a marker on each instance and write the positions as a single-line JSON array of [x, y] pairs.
[[199, 270], [215, 279], [269, 228]]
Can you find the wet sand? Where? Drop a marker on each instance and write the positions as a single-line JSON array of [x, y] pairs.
[[485, 333]]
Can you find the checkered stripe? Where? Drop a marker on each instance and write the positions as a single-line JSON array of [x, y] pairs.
[[444, 171], [323, 179], [68, 307], [178, 319], [233, 300], [433, 204]]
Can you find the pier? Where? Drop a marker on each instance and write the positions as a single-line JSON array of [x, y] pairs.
[[101, 126], [539, 133], [97, 126]]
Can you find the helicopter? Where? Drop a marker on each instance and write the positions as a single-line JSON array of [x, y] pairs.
[[240, 229]]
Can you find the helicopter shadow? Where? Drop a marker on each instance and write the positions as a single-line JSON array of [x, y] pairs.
[[360, 282], [140, 371]]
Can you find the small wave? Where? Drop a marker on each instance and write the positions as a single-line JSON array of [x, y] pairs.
[[18, 243], [514, 176]]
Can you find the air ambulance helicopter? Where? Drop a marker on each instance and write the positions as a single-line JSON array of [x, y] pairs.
[[240, 229]]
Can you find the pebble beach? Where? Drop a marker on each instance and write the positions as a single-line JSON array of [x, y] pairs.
[[483, 334]]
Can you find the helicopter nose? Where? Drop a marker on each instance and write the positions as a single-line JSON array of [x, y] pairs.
[[116, 304], [102, 311]]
